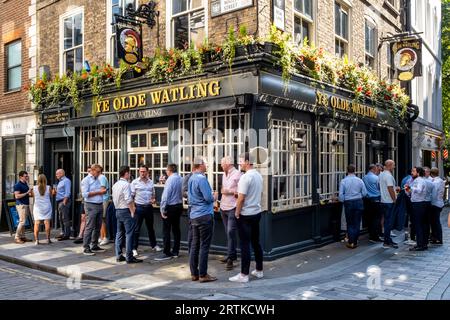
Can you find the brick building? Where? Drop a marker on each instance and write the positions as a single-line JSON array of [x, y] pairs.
[[306, 151], [17, 70]]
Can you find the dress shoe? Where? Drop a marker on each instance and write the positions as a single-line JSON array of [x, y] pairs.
[[351, 245], [121, 258], [224, 260], [207, 278], [24, 239], [78, 241], [194, 278], [134, 260], [19, 241], [417, 249], [63, 238]]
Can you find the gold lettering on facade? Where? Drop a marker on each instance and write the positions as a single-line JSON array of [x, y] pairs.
[[322, 99]]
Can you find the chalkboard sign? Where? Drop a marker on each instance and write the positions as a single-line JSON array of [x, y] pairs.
[[12, 216]]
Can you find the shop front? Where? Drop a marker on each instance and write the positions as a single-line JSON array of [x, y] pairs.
[[303, 133]]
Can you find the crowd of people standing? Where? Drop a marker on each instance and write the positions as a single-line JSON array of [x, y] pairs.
[[133, 201]]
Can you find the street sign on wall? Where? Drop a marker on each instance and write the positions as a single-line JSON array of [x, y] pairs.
[[278, 13], [219, 7]]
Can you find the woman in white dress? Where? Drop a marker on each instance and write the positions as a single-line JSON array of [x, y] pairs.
[[42, 210]]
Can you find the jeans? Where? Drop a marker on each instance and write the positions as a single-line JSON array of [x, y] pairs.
[[373, 210], [435, 222], [419, 214], [202, 231], [229, 223], [64, 217], [353, 213], [387, 209], [94, 213], [172, 223], [144, 213], [248, 228], [125, 224]]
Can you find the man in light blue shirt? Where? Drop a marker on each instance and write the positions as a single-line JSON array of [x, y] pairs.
[[200, 199], [437, 203], [63, 193], [171, 209], [351, 192], [92, 193], [372, 203]]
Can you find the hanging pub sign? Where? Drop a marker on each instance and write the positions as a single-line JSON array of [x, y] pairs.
[[407, 56], [128, 40]]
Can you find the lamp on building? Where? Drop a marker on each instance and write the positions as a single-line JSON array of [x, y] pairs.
[[300, 140]]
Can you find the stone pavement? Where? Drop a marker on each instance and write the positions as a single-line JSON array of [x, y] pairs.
[[331, 272]]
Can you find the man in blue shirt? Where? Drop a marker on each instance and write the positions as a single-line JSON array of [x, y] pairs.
[[22, 193], [351, 192], [63, 193], [92, 193], [171, 209], [200, 199], [372, 203]]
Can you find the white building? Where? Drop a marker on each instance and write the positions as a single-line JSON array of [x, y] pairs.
[[426, 91]]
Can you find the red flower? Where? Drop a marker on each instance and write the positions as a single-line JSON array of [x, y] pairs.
[[386, 97], [390, 88], [359, 89], [368, 93]]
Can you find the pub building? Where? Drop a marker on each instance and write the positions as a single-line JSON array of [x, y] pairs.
[[303, 133]]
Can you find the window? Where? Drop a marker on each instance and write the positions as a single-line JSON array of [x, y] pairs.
[[72, 42], [212, 135], [390, 70], [150, 148], [359, 159], [13, 163], [341, 30], [115, 7], [101, 144], [370, 46], [14, 65], [291, 165], [303, 21], [332, 160], [187, 23]]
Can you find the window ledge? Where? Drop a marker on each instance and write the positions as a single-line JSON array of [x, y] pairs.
[[391, 7], [12, 92], [347, 3]]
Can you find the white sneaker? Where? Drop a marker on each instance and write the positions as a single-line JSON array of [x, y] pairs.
[[135, 253], [258, 274], [157, 248], [239, 278], [104, 242]]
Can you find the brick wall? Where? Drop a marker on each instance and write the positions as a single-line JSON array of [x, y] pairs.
[[15, 24]]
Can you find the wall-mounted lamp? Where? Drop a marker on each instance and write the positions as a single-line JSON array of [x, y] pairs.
[[300, 140]]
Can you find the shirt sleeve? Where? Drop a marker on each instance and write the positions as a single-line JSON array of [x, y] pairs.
[[67, 188], [206, 191], [243, 185], [364, 189], [390, 182], [127, 194], [133, 189], [104, 182], [236, 179], [166, 190], [85, 188], [434, 192], [341, 191]]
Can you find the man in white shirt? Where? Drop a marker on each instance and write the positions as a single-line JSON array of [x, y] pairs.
[[248, 215], [143, 193], [429, 183], [437, 203], [387, 199], [125, 211], [418, 194]]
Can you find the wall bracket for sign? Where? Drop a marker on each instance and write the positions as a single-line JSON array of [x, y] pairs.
[[145, 11]]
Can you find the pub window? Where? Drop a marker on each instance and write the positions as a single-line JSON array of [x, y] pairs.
[[14, 65], [14, 161], [72, 41], [115, 7], [303, 21], [370, 44], [101, 144], [212, 135], [341, 29], [150, 148], [332, 160], [359, 159], [291, 164], [187, 23], [390, 72]]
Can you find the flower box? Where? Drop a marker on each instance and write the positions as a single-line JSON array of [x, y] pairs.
[[271, 48]]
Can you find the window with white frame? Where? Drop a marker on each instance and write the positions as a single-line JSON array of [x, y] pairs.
[[13, 65], [303, 21], [390, 72], [72, 41], [187, 23], [212, 135], [332, 160], [370, 43], [359, 157], [101, 145], [341, 26], [291, 164], [150, 148], [115, 7]]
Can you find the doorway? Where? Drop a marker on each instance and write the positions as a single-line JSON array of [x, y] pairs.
[[13, 162]]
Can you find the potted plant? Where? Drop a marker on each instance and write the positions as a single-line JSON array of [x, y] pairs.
[[246, 42], [229, 47]]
